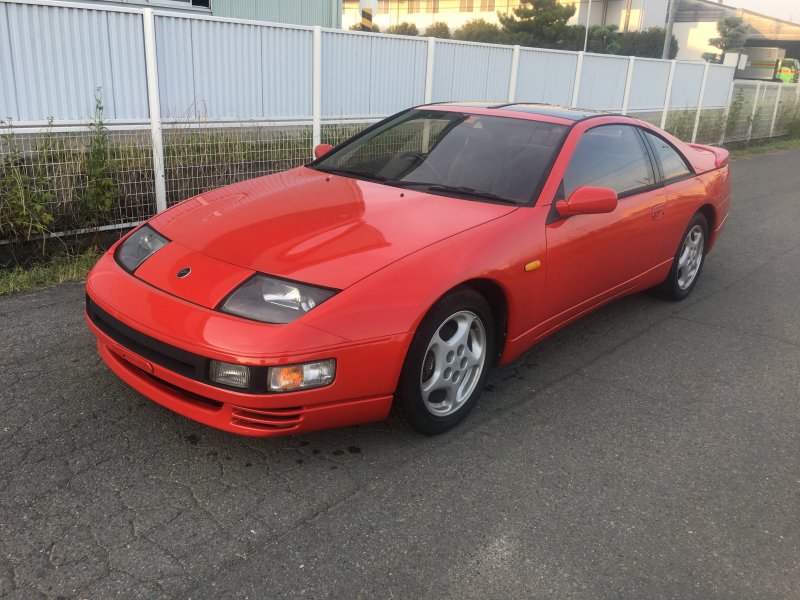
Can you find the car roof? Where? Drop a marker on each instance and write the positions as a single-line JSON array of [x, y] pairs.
[[530, 108]]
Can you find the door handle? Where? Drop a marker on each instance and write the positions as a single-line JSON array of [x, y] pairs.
[[658, 210]]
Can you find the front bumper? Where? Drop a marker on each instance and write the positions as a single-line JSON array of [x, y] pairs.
[[367, 371]]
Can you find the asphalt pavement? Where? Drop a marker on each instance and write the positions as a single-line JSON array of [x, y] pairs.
[[650, 450]]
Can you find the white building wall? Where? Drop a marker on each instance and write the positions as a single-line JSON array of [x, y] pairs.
[[693, 39], [644, 14]]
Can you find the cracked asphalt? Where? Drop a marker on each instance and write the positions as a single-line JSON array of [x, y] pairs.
[[651, 450]]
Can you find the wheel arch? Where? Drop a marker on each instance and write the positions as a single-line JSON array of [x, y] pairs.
[[710, 213], [496, 297]]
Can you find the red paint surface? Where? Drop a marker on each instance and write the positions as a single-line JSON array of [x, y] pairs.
[[392, 253]]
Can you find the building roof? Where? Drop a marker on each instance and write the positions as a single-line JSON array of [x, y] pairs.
[[761, 26]]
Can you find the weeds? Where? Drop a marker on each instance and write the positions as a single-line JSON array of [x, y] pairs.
[[59, 269], [100, 191], [25, 194]]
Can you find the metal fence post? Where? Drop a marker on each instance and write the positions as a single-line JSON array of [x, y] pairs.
[[512, 82], [727, 112], [316, 89], [429, 70], [668, 94], [775, 110], [753, 113], [628, 80], [576, 87], [700, 99], [154, 103]]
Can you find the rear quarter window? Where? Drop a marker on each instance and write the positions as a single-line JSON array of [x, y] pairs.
[[673, 164]]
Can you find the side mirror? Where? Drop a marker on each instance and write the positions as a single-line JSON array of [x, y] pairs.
[[588, 200], [321, 150]]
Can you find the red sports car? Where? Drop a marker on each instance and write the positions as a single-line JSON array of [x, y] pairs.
[[398, 267]]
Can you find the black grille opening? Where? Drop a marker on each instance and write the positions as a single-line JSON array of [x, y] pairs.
[[169, 357], [175, 359]]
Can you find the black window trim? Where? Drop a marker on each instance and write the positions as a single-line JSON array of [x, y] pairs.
[[655, 174]]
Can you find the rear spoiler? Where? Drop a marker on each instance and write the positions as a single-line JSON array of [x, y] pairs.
[[720, 154]]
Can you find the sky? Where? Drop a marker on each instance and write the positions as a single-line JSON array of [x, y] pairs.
[[788, 10]]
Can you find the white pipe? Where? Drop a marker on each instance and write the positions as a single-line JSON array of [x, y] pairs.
[[628, 80], [512, 82], [316, 89], [154, 102], [588, 21], [700, 102]]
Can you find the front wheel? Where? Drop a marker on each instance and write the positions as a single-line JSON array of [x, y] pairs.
[[688, 262], [447, 363]]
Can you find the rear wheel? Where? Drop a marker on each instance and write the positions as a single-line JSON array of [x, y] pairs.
[[688, 262], [447, 363]]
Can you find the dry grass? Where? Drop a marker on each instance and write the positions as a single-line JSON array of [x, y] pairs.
[[58, 269], [773, 146]]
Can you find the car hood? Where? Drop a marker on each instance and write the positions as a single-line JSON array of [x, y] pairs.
[[318, 228]]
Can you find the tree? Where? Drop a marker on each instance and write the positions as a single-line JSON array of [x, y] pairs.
[[603, 39], [403, 29], [541, 23], [732, 35], [479, 30], [647, 44], [439, 29]]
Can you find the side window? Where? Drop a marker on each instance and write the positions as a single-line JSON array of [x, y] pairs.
[[611, 156], [672, 163]]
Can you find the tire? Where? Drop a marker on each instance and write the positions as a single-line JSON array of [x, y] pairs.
[[447, 363], [688, 262]]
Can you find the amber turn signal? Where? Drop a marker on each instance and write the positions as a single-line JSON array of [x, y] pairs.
[[290, 378]]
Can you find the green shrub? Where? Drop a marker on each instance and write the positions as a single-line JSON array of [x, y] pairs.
[[97, 198], [25, 194], [479, 30], [440, 29], [403, 29]]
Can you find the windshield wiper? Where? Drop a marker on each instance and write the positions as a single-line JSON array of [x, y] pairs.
[[354, 173], [455, 189]]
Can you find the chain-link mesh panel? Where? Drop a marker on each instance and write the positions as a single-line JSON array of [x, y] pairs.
[[765, 105], [336, 133], [52, 182], [711, 126], [787, 120], [200, 159], [653, 117], [740, 111], [55, 181], [680, 123]]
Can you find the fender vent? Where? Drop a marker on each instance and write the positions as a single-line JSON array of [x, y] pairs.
[[268, 419]]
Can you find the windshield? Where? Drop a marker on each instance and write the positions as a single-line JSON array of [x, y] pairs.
[[472, 156]]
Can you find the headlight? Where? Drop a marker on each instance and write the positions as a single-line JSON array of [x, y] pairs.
[[139, 247], [271, 300]]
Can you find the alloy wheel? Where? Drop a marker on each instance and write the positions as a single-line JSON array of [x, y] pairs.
[[453, 363]]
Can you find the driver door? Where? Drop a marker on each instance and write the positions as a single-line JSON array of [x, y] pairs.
[[593, 257]]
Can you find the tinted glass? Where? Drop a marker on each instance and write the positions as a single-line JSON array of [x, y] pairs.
[[672, 163], [453, 153], [610, 156]]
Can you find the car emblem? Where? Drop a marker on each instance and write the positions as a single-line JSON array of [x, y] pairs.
[[184, 272]]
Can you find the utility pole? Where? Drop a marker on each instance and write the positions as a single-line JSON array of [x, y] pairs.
[[588, 20], [673, 5], [627, 16]]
